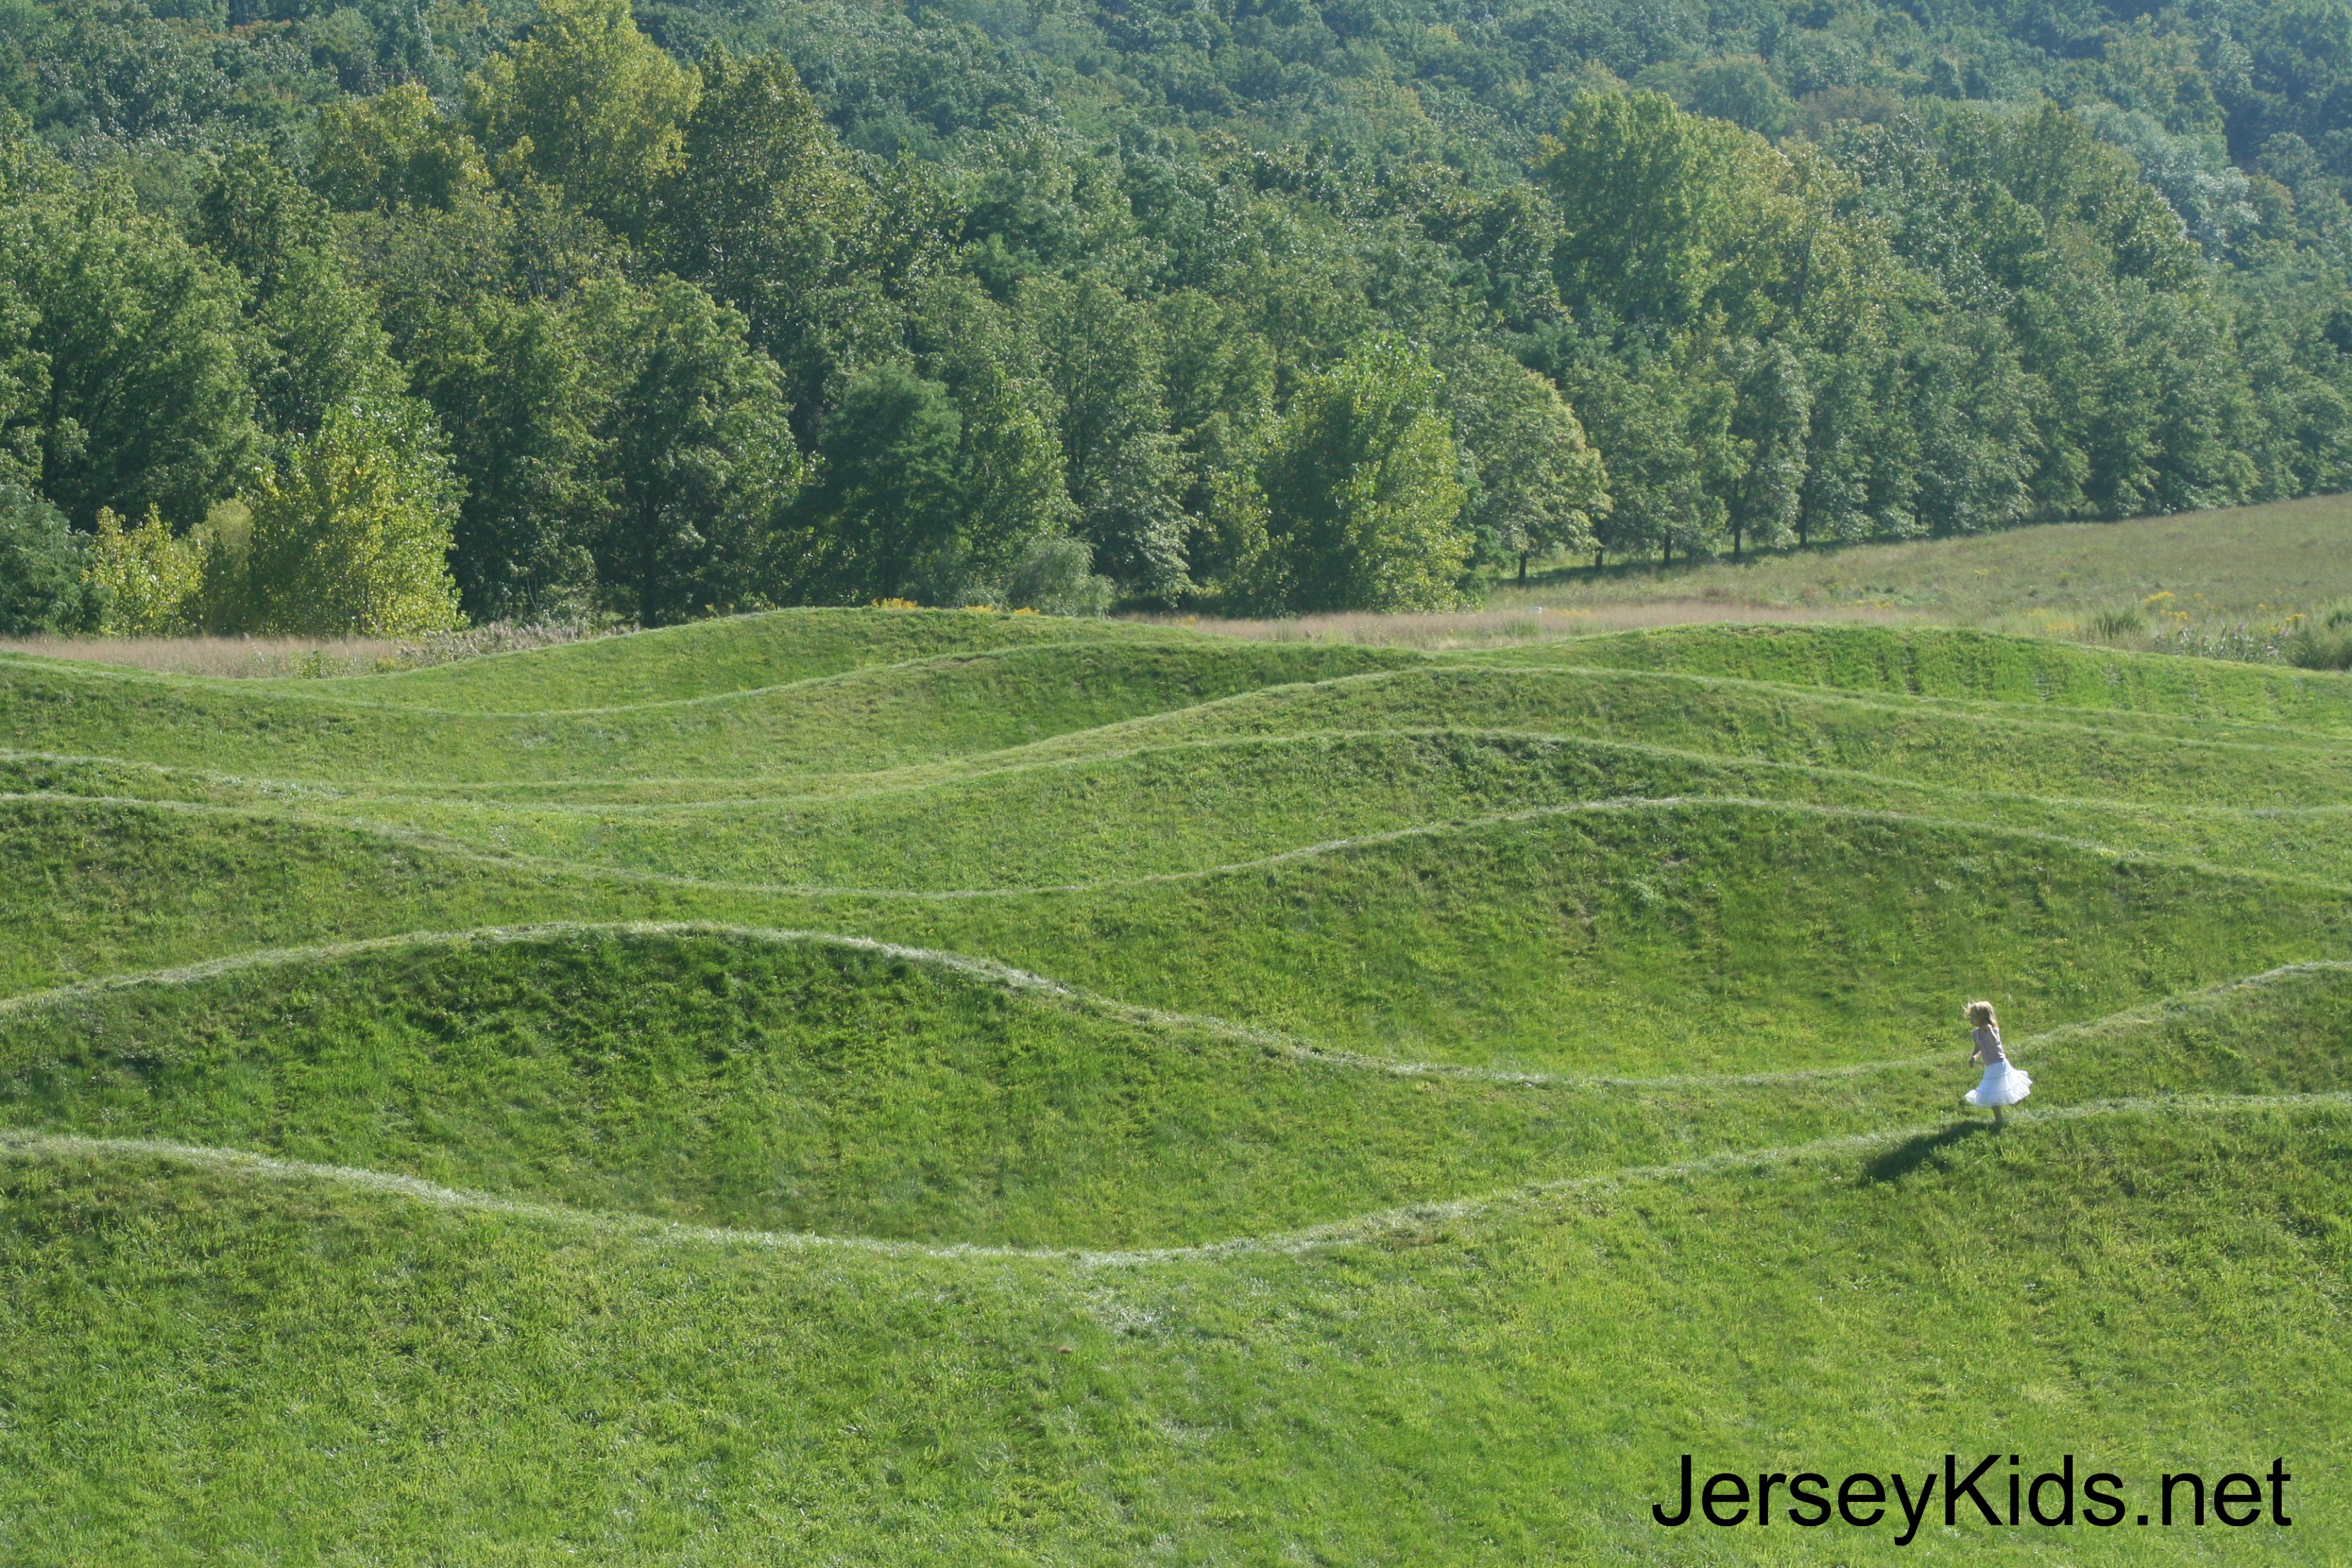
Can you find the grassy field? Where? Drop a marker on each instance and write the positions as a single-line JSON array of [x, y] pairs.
[[910, 1086]]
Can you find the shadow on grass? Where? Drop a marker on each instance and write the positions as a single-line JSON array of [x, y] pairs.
[[1913, 1152]]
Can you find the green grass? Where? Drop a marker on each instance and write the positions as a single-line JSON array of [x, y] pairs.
[[886, 1087], [205, 1362]]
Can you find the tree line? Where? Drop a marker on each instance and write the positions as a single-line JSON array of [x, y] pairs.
[[600, 327]]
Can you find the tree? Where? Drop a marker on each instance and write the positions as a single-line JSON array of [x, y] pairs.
[[151, 579], [43, 586], [1362, 494], [395, 152], [1667, 213], [353, 535], [1009, 489], [144, 346], [1539, 485], [887, 494], [1660, 412], [319, 345], [588, 103], [1771, 423], [762, 210], [1101, 357], [522, 397], [703, 460]]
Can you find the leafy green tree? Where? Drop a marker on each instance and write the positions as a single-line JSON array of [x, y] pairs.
[[765, 213], [1661, 416], [702, 460], [1056, 577], [1009, 486], [1539, 485], [523, 399], [353, 535], [1667, 213], [395, 152], [888, 488], [144, 346], [1101, 358], [588, 103], [319, 344], [150, 578], [1770, 424], [1361, 492], [1740, 88], [44, 584]]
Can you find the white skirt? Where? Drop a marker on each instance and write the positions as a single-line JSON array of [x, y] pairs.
[[2003, 1085]]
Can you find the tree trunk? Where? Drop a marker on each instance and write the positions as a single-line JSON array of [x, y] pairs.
[[1523, 568]]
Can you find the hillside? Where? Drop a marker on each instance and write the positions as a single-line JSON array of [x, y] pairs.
[[935, 1087]]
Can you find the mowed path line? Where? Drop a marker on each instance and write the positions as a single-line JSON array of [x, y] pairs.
[[1024, 982], [1368, 1227], [422, 838], [980, 768]]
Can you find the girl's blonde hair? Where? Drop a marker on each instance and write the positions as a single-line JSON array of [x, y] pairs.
[[1980, 1014]]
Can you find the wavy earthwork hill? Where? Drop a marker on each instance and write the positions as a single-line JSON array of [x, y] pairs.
[[1940, 662], [1039, 816], [315, 1366], [885, 716], [1621, 937], [812, 1083], [715, 658], [1093, 1095]]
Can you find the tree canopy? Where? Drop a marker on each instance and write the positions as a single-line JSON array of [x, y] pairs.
[[663, 312]]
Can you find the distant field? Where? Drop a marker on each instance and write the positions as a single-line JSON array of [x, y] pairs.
[[925, 1087], [2216, 583]]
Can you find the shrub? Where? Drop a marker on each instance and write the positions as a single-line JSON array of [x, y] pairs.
[[2119, 624], [2323, 641], [1055, 577], [44, 586], [151, 580]]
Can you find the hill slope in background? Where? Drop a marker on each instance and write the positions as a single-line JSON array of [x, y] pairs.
[[934, 1087]]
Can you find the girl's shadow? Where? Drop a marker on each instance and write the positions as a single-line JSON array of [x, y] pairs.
[[1913, 1152]]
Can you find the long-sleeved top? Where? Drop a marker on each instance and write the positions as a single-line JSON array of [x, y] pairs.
[[1989, 1044]]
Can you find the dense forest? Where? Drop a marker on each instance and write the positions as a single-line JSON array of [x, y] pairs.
[[380, 316]]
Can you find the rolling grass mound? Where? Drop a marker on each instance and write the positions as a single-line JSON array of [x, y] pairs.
[[207, 1357], [895, 1087], [1931, 661], [811, 1084], [1189, 806], [1632, 937], [891, 715], [710, 658], [1920, 741]]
